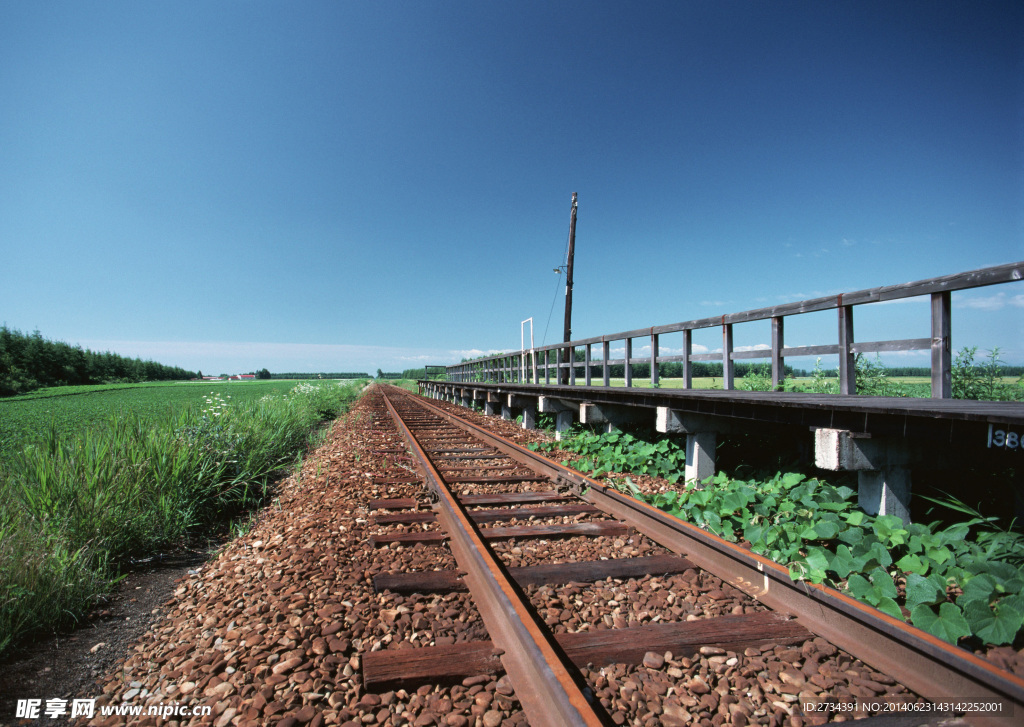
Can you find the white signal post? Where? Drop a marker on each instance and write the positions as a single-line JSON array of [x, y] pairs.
[[522, 346]]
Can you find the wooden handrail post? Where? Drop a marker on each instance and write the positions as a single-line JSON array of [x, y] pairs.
[[942, 354], [687, 352], [586, 365], [654, 361], [728, 367], [847, 359], [628, 371], [778, 343], [607, 373], [572, 365]]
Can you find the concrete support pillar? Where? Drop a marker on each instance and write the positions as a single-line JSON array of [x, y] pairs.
[[490, 408], [525, 404], [700, 457], [563, 422], [885, 492], [701, 439], [881, 465], [467, 401], [506, 411], [565, 412]]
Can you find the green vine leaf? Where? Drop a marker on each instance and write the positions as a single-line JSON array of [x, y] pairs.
[[993, 626], [948, 624], [921, 590]]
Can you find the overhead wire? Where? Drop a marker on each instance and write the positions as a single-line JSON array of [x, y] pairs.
[[565, 262]]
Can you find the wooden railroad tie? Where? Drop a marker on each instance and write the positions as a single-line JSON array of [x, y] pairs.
[[389, 668], [398, 480], [395, 503], [490, 516], [609, 528], [505, 498], [445, 581]]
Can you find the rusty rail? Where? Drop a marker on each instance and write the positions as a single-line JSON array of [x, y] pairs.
[[539, 670], [937, 670]]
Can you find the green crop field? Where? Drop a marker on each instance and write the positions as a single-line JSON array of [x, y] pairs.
[[68, 409], [93, 476]]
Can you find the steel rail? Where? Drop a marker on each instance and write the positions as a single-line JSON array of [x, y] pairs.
[[540, 672], [929, 666]]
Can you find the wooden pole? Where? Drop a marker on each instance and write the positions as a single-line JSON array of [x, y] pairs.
[[563, 377]]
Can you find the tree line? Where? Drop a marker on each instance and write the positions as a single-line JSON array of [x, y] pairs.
[[29, 362]]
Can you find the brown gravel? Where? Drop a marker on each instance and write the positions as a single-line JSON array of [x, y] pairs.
[[271, 631]]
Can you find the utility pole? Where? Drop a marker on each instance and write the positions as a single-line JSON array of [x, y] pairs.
[[563, 374]]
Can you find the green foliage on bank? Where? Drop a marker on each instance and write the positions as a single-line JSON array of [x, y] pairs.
[[623, 452], [77, 507], [958, 581], [953, 581]]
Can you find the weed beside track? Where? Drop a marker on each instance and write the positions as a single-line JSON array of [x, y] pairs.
[[78, 506]]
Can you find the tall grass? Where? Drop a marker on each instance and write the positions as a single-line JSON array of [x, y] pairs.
[[76, 508]]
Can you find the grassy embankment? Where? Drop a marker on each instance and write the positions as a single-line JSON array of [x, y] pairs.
[[93, 476]]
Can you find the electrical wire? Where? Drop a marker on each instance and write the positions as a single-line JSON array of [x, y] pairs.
[[565, 262]]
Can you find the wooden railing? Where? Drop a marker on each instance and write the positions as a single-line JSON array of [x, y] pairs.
[[528, 366]]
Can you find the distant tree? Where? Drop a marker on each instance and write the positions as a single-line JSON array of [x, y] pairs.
[[380, 373], [262, 374]]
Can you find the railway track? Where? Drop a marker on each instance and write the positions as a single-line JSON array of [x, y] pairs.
[[602, 610]]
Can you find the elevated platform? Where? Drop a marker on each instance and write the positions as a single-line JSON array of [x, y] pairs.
[[882, 438]]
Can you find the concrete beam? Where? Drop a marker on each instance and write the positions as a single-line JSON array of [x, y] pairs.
[[673, 421], [838, 449], [882, 466], [612, 417], [551, 405]]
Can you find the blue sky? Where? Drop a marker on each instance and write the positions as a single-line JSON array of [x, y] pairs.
[[353, 185]]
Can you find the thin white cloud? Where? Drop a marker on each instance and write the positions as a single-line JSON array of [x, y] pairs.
[[695, 348], [917, 299], [992, 302], [476, 352], [235, 357]]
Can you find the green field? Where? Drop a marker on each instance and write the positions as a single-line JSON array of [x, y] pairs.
[[92, 477], [69, 409]]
